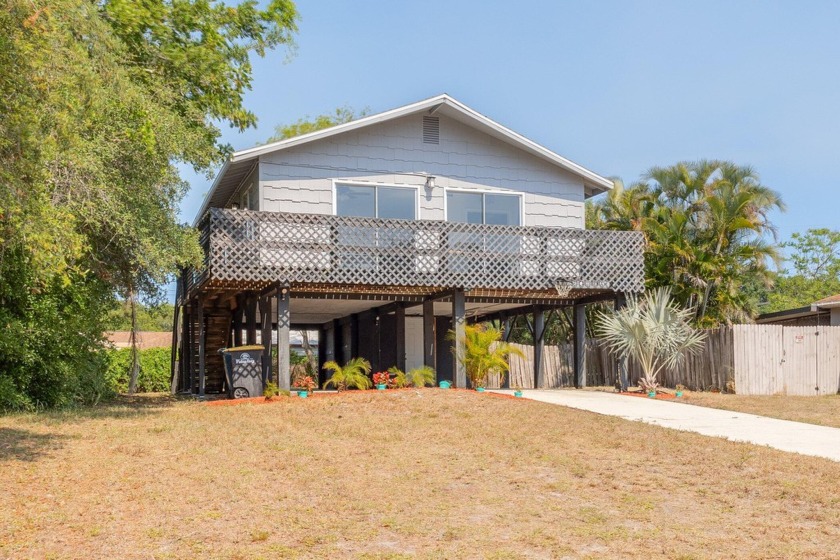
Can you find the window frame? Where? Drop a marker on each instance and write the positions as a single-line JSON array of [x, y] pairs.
[[338, 183], [483, 193]]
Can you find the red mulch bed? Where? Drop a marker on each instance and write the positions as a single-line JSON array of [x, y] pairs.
[[659, 396], [320, 395]]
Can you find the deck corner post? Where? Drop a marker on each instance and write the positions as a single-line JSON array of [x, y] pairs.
[[284, 381], [580, 345], [400, 336], [458, 326], [539, 346], [429, 335]]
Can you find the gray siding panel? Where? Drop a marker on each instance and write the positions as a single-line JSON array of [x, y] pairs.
[[299, 179]]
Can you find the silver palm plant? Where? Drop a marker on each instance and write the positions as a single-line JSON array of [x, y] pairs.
[[654, 330]]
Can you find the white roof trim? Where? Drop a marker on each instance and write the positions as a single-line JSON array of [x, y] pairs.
[[432, 104]]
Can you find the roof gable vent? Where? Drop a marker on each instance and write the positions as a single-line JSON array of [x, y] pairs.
[[431, 130]]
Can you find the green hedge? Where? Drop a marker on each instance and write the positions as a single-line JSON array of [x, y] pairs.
[[154, 370]]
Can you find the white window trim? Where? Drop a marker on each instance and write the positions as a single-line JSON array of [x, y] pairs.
[[337, 182], [483, 191]]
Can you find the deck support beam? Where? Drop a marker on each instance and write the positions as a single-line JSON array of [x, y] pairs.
[[620, 303], [580, 344], [399, 315], [284, 380], [202, 371], [238, 316], [265, 337], [458, 326], [539, 346], [429, 334], [251, 319]]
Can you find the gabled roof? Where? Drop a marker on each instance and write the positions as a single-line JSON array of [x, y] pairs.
[[240, 163]]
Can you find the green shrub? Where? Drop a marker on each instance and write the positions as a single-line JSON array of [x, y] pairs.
[[154, 370]]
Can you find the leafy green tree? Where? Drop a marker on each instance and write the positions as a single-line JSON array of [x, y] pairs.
[[654, 330], [353, 374], [814, 257], [150, 317], [100, 100], [707, 225], [308, 124]]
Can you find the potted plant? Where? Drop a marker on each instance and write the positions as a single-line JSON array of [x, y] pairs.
[[517, 391], [484, 353], [353, 374], [304, 384], [417, 377], [381, 379], [445, 384], [680, 388]]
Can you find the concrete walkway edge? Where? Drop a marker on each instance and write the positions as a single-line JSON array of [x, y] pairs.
[[795, 437]]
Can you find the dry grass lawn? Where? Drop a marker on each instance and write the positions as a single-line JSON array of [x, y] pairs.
[[824, 411], [398, 474]]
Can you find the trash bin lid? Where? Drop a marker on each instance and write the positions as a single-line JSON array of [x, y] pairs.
[[242, 348]]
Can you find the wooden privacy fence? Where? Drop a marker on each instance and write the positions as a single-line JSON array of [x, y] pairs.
[[756, 359]]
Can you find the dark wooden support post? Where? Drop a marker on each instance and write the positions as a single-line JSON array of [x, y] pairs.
[[251, 320], [238, 316], [322, 354], [354, 336], [458, 324], [539, 346], [621, 302], [375, 326], [202, 335], [175, 371], [400, 334], [429, 334], [338, 342], [580, 345], [191, 347], [507, 328], [265, 336], [284, 369]]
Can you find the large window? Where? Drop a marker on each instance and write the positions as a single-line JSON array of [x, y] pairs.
[[365, 201], [483, 208]]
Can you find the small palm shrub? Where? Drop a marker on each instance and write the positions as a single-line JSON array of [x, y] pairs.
[[417, 377], [654, 331], [353, 374], [484, 353]]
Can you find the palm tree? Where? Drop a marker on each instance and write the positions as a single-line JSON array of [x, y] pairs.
[[354, 374], [417, 377], [484, 353], [654, 330]]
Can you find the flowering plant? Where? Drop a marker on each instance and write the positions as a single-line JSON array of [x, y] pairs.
[[382, 378], [305, 383]]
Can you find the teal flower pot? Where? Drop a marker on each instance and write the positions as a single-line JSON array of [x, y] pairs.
[[679, 394], [517, 393], [479, 389], [445, 384], [303, 394], [380, 386], [652, 394]]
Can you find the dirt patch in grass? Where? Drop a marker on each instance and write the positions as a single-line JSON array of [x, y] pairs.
[[398, 474], [824, 410]]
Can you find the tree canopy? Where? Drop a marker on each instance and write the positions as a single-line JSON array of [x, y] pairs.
[[99, 101], [308, 124], [709, 232], [814, 272]]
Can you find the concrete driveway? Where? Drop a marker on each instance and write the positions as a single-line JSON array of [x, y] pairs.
[[796, 437]]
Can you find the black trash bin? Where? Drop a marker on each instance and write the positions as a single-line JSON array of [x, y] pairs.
[[244, 372]]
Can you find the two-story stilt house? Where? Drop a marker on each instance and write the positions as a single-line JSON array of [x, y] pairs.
[[387, 232]]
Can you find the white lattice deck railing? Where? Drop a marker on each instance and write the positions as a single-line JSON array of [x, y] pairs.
[[247, 249]]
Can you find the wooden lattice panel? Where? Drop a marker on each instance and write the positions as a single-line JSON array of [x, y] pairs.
[[244, 246]]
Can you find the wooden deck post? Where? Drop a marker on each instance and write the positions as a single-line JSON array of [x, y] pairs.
[[238, 315], [175, 369], [322, 354], [202, 372], [265, 337], [284, 369], [620, 303], [539, 346], [399, 314], [251, 319], [191, 346], [429, 334], [458, 324], [580, 345], [354, 336]]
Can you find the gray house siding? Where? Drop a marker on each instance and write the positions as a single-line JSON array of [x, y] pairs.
[[300, 179]]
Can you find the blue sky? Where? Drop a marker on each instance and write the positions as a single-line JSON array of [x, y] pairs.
[[616, 86]]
